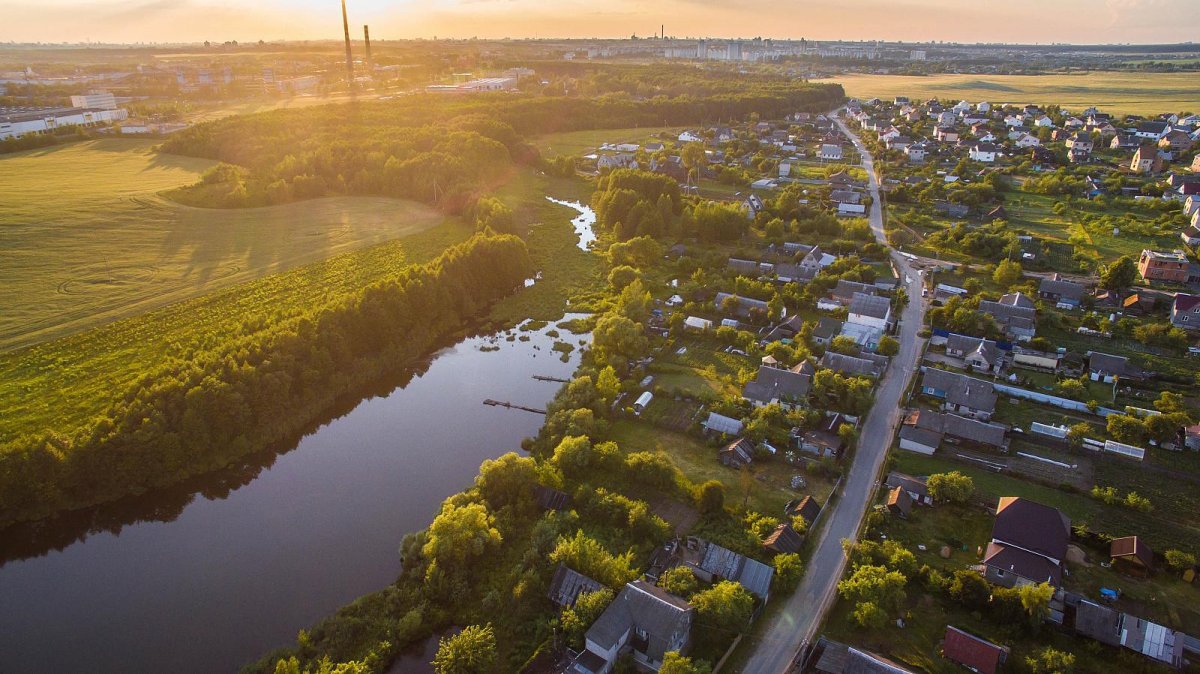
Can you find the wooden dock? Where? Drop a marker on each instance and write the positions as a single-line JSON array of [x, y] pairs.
[[500, 403], [542, 377]]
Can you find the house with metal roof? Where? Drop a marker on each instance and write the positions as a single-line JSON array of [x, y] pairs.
[[1029, 543], [568, 584], [968, 650], [960, 394], [643, 620], [788, 388]]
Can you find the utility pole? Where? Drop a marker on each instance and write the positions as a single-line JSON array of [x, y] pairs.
[[349, 56]]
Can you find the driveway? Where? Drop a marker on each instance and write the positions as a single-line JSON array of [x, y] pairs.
[[796, 624]]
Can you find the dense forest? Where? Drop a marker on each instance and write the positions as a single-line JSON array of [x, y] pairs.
[[448, 151], [204, 410]]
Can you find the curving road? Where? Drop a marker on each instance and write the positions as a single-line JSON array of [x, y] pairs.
[[796, 624]]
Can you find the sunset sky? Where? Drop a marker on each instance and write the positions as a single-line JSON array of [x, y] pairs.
[[1076, 21]]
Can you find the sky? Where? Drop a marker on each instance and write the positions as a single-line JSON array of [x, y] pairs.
[[1026, 21]]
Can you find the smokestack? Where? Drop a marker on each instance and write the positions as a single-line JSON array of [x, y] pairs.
[[367, 42], [349, 56]]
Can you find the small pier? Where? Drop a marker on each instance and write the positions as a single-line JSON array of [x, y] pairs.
[[542, 377], [500, 403]]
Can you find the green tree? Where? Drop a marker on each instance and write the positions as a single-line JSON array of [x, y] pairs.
[[1035, 599], [471, 651], [712, 497], [621, 276], [576, 619], [789, 569], [868, 615], [1119, 275], [1169, 402], [507, 480], [1126, 428], [1180, 560], [1051, 661], [1007, 274], [875, 584], [674, 663], [888, 346], [844, 344], [459, 534], [726, 606], [1077, 433], [618, 335], [589, 557], [952, 487], [679, 581], [608, 384], [573, 455], [694, 158]]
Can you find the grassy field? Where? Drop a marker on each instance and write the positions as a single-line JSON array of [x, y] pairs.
[[87, 241], [1115, 92], [1035, 212], [582, 142]]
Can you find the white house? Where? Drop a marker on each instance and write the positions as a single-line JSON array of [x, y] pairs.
[[870, 310], [984, 152], [1014, 120], [1027, 140], [830, 152], [983, 106], [689, 137], [1044, 122]]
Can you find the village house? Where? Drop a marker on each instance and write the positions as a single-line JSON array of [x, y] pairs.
[[1015, 313], [1029, 544], [644, 620], [712, 563], [946, 135], [1123, 141], [807, 508], [870, 310], [824, 440], [980, 355], [1169, 267], [784, 539], [1105, 367], [788, 388], [923, 432], [827, 328], [1118, 629], [1152, 130], [1176, 141], [983, 152], [960, 394], [736, 454], [863, 365], [899, 503], [831, 657], [915, 487], [830, 152], [1026, 140], [568, 584], [1065, 294], [916, 152], [974, 653], [1185, 311], [1146, 159], [742, 307]]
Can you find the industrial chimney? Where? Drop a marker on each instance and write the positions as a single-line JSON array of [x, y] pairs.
[[349, 56], [367, 42]]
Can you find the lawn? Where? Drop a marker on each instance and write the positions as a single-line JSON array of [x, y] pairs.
[[769, 489], [584, 142], [1114, 92], [87, 241], [1035, 213]]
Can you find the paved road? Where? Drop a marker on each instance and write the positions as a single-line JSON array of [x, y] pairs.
[[797, 623]]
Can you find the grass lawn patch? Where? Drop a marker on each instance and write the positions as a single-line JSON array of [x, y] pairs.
[[584, 142]]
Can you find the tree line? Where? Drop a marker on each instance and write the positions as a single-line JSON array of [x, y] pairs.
[[202, 411]]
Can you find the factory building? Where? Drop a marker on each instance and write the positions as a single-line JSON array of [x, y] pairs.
[[17, 122]]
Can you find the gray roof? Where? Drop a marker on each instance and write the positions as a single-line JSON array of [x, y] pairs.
[[976, 431], [1010, 315], [1062, 288], [1098, 622], [968, 345], [842, 659], [720, 423], [749, 573], [845, 289], [910, 483], [776, 384], [1105, 362], [868, 365], [663, 616], [827, 328], [744, 304], [845, 197], [961, 389], [870, 305], [922, 436], [1018, 300], [568, 584]]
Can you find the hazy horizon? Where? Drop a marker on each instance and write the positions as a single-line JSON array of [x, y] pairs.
[[194, 21]]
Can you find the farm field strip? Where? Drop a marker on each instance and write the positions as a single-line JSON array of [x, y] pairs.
[[87, 241], [1115, 92]]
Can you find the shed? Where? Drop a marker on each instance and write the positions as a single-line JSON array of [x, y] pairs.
[[899, 503], [1131, 554], [783, 539], [972, 652], [643, 400]]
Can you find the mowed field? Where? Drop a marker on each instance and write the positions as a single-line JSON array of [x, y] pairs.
[[1114, 92], [85, 239], [581, 142]]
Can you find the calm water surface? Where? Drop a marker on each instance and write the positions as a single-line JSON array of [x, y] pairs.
[[236, 573]]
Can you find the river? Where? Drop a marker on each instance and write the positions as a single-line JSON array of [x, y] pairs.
[[215, 574]]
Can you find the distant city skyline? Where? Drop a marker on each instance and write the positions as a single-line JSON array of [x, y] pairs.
[[1023, 21]]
